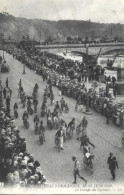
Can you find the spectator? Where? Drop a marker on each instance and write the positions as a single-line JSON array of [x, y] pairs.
[[107, 115], [112, 162], [16, 165]]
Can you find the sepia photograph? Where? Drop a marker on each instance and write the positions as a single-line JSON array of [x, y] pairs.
[[61, 97]]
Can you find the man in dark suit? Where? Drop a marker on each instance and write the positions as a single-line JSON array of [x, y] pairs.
[[112, 162]]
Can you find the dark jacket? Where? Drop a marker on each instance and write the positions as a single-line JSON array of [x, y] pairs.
[[112, 163]]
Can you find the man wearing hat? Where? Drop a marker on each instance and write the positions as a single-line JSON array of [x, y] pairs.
[[76, 170], [42, 130], [112, 162], [35, 102], [71, 125], [8, 104]]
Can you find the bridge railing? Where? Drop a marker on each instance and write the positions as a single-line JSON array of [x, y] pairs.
[[78, 45]]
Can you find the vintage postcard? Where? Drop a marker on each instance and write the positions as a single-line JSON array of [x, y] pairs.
[[61, 97]]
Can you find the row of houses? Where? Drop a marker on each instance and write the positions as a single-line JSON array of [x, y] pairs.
[[78, 40], [25, 41]]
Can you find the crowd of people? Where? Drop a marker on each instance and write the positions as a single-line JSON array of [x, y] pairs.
[[56, 121], [68, 76], [19, 155], [18, 168], [68, 81], [4, 67]]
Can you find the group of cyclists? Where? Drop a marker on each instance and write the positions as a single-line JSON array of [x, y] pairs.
[[55, 120]]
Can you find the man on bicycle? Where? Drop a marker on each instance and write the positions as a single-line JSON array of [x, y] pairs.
[[57, 106], [71, 125], [84, 123], [35, 102], [62, 103], [36, 120], [28, 105], [42, 130], [84, 140]]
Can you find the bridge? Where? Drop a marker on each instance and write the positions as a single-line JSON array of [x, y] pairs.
[[92, 49]]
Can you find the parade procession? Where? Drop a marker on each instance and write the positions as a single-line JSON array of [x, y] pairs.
[[61, 105]]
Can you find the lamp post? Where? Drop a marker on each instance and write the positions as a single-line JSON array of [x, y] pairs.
[[87, 79], [23, 66], [1, 100], [23, 69], [3, 43], [3, 53], [87, 111]]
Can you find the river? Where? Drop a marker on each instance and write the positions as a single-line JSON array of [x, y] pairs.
[[71, 56]]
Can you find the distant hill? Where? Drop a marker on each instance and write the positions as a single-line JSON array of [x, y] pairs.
[[40, 30]]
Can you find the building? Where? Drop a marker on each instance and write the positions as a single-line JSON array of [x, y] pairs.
[[10, 41], [27, 42]]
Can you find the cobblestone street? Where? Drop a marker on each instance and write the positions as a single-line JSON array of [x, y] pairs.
[[58, 166]]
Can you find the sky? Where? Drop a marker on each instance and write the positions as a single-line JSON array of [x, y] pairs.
[[103, 11]]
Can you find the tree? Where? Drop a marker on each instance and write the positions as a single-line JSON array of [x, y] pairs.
[[49, 39], [69, 39], [79, 39]]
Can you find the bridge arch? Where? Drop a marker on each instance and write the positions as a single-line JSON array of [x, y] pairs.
[[113, 51], [92, 50]]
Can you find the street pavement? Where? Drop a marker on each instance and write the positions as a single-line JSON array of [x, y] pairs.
[[58, 166]]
